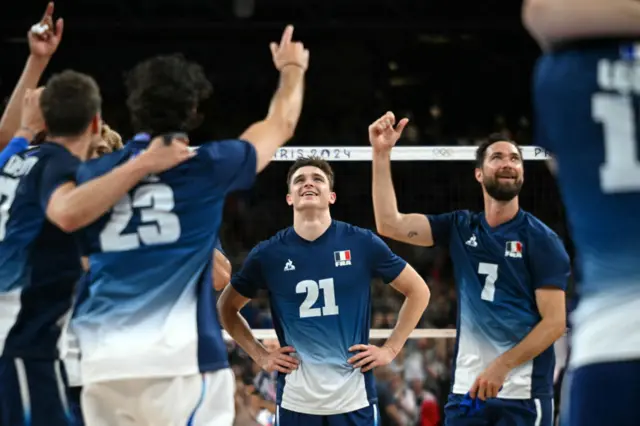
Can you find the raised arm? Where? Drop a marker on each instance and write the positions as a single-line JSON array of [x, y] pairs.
[[292, 60], [42, 47], [410, 228], [553, 21]]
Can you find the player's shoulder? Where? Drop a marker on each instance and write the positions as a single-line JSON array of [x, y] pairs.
[[99, 166], [220, 149], [465, 217], [536, 228], [348, 230]]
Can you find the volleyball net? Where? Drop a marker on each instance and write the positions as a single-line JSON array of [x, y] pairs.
[[427, 179]]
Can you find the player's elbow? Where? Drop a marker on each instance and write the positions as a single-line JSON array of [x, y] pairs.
[[64, 219], [389, 226], [556, 326], [541, 18]]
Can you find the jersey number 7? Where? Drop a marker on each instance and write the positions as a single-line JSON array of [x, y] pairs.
[[489, 288]]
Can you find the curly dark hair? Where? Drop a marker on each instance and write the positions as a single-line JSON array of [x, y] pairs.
[[164, 93]]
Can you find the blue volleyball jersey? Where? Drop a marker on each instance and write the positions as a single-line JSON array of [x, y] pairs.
[[320, 295], [497, 271], [39, 263], [150, 307], [587, 100]]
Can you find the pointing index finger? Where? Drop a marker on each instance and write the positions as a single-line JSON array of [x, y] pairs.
[[287, 35], [48, 13]]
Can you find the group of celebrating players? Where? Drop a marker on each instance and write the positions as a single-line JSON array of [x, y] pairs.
[[116, 247]]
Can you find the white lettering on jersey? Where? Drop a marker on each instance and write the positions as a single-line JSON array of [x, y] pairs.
[[312, 289]]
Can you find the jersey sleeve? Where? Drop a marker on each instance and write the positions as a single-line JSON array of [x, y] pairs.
[[57, 171], [232, 162], [441, 227], [15, 146], [249, 279], [385, 263], [550, 263]]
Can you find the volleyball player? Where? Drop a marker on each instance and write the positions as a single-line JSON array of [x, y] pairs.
[[587, 94], [152, 348], [318, 274], [39, 260], [511, 272]]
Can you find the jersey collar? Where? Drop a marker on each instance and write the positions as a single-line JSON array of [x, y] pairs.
[[515, 221]]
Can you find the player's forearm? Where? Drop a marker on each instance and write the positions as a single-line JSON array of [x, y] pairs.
[[385, 205], [410, 313], [239, 330], [86, 203], [553, 21], [543, 335], [286, 104], [10, 121]]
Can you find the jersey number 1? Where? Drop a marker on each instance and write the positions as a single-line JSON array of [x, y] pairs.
[[489, 288], [621, 169], [312, 289], [158, 224]]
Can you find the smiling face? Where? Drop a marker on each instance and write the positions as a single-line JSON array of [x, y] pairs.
[[310, 188], [502, 172]]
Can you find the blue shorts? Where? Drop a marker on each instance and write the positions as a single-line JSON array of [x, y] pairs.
[[501, 412], [602, 394], [33, 393], [367, 416]]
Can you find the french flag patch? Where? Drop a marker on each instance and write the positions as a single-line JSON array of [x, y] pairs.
[[342, 258], [513, 249]]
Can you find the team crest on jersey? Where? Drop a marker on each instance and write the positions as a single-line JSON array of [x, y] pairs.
[[514, 249], [342, 258]]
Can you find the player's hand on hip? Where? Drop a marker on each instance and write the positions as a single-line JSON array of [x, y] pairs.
[[45, 36], [279, 360], [384, 133], [288, 52], [370, 356], [490, 381], [164, 153]]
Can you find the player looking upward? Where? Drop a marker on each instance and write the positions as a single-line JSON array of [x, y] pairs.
[[587, 98], [510, 271], [318, 274], [152, 348]]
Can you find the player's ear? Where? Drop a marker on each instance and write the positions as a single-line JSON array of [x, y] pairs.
[[96, 125], [478, 173], [289, 199], [332, 197]]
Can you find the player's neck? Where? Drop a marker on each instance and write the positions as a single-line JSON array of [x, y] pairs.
[[498, 212], [78, 146], [311, 224]]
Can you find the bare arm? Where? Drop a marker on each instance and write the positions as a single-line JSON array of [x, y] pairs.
[[72, 207], [292, 60], [551, 305], [221, 270], [229, 304], [417, 295], [553, 21], [10, 122], [409, 228], [278, 127]]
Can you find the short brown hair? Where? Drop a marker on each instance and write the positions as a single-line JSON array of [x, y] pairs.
[[493, 138], [113, 138], [313, 162], [69, 102]]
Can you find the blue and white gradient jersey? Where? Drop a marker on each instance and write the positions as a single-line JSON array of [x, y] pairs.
[[320, 294], [587, 99], [39, 263], [497, 271], [150, 308]]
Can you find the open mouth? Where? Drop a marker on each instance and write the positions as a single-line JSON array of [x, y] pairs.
[[309, 194]]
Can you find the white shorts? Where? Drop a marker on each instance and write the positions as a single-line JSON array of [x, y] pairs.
[[198, 400]]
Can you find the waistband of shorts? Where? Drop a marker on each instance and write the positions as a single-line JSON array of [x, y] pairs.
[[594, 44]]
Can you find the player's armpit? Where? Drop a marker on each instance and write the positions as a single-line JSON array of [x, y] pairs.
[[411, 228], [221, 270]]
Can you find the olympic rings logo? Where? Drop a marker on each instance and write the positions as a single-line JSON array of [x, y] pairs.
[[441, 152]]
